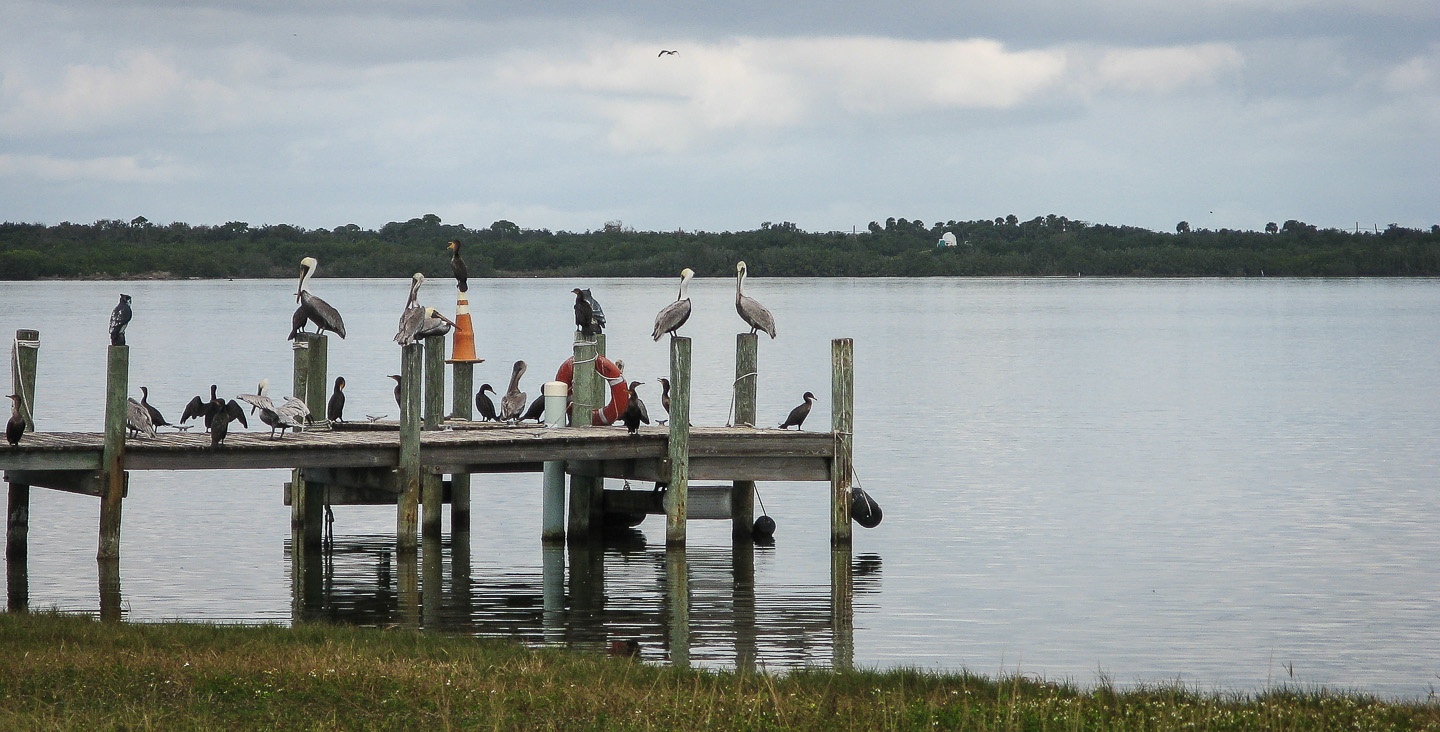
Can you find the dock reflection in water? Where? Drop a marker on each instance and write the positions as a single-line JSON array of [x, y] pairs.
[[699, 607]]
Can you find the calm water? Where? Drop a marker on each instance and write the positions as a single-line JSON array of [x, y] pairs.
[[1230, 483]]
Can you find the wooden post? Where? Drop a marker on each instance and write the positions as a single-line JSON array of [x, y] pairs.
[[109, 576], [408, 471], [842, 603], [117, 384], [747, 646], [842, 423], [307, 514], [17, 526], [432, 484], [677, 495], [584, 389], [742, 498], [677, 578], [462, 403]]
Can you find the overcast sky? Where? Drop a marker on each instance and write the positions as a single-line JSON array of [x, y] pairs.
[[562, 115]]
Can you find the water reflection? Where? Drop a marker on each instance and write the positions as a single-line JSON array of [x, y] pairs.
[[699, 607]]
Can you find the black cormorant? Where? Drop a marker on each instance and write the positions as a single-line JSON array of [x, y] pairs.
[[119, 318], [156, 418], [335, 408], [635, 411], [483, 403], [457, 265], [15, 428], [798, 414], [589, 316]]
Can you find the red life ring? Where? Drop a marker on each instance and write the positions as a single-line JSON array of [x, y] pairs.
[[619, 390]]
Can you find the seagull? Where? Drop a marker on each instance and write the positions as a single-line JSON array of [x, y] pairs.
[[666, 52]]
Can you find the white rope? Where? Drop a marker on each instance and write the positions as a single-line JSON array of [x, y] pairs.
[[732, 414], [27, 411]]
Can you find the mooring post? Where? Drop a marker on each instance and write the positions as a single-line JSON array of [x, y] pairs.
[[742, 497], [678, 493], [842, 424], [110, 599], [552, 496], [677, 579], [432, 573], [842, 608], [432, 484], [584, 391], [307, 515], [462, 404], [408, 471], [25, 357], [747, 646], [117, 384]]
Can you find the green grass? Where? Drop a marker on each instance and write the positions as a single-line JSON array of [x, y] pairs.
[[66, 672]]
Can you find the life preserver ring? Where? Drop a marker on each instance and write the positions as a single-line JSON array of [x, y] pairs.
[[619, 391]]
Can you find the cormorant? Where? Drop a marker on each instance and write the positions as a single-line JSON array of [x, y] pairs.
[[297, 322], [15, 428], [198, 407], [396, 377], [119, 318], [665, 396], [513, 403], [536, 410], [156, 418], [316, 310], [589, 316], [137, 419], [462, 273], [751, 311], [335, 408], [232, 411], [798, 414], [635, 411], [676, 313], [483, 403]]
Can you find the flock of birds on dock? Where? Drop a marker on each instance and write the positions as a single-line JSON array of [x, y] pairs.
[[417, 322]]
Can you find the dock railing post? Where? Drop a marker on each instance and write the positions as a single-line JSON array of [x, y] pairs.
[[117, 385], [407, 514], [432, 484], [742, 497], [462, 404], [842, 424], [25, 356], [584, 391], [677, 495], [308, 383]]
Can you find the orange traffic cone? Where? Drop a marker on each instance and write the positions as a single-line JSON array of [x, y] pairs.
[[463, 347]]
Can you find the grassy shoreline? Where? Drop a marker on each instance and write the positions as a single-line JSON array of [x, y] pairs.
[[71, 672]]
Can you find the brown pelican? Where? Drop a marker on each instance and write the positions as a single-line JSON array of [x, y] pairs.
[[335, 408], [457, 265], [483, 403], [232, 411], [412, 318], [119, 318], [290, 415], [156, 418], [664, 396], [635, 411], [798, 414], [433, 324], [137, 419], [513, 403], [15, 428], [676, 313], [199, 407], [316, 310], [751, 311], [396, 377], [589, 316]]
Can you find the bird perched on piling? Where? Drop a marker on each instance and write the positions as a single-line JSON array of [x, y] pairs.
[[433, 324], [483, 403], [315, 310], [513, 403], [137, 419], [335, 408], [457, 265], [635, 411], [418, 321], [15, 428], [676, 313], [231, 411], [664, 397], [589, 316], [751, 311], [798, 414], [119, 319], [156, 418]]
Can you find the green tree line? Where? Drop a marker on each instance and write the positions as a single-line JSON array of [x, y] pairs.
[[1049, 245]]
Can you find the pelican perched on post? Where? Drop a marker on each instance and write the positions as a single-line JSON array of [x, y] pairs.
[[432, 324], [751, 311], [512, 405], [316, 310], [413, 316], [676, 313]]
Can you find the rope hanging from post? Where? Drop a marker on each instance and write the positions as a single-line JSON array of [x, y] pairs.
[[732, 414]]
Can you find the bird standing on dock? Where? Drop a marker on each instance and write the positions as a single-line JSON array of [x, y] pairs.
[[536, 410], [589, 316], [635, 411], [751, 311], [15, 428], [316, 310], [137, 419], [119, 318], [335, 408], [513, 403], [289, 415], [220, 427], [156, 418], [457, 265], [664, 397], [798, 414], [483, 403], [199, 407], [676, 313]]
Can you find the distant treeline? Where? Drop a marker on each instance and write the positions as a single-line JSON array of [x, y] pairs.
[[1048, 245]]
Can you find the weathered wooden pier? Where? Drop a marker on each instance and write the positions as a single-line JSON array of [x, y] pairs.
[[406, 465]]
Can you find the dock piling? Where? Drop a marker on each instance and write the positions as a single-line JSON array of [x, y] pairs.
[[308, 383], [462, 404], [432, 484], [842, 421], [742, 498], [677, 495], [586, 394], [408, 471], [25, 356], [117, 384]]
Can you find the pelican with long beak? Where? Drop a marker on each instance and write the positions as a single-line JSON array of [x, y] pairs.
[[751, 311], [314, 309], [676, 313]]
